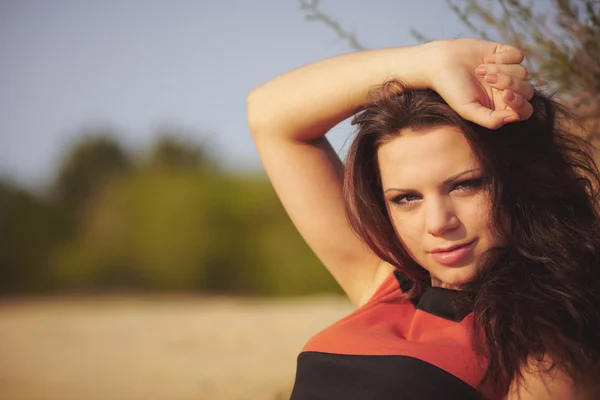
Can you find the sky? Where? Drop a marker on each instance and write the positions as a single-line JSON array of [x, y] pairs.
[[134, 66]]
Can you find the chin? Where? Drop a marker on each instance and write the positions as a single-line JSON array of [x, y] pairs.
[[456, 277]]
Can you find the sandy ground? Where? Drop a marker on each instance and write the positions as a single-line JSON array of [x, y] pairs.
[[90, 348]]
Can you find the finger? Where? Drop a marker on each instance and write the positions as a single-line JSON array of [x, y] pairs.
[[518, 104], [491, 119], [508, 55], [515, 70], [503, 82]]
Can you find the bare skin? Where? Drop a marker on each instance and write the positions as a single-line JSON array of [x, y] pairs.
[[290, 115], [436, 197]]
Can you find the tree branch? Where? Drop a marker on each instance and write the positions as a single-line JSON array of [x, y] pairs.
[[313, 13]]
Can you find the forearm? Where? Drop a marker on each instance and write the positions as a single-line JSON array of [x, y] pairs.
[[307, 102]]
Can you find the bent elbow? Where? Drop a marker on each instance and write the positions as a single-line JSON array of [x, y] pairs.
[[255, 111]]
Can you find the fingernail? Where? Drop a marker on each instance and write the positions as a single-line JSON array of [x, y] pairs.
[[491, 78], [481, 70], [509, 96]]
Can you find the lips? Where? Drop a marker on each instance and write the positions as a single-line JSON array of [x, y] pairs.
[[452, 247], [454, 254]]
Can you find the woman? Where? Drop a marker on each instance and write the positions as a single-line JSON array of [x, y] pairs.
[[464, 225]]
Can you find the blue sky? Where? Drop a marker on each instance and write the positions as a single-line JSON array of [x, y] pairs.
[[134, 66]]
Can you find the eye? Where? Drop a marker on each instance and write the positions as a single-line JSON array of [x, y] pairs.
[[469, 184], [405, 199]]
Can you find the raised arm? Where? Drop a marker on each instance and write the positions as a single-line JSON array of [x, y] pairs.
[[290, 115]]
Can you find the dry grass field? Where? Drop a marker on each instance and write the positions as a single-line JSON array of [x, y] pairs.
[[167, 348]]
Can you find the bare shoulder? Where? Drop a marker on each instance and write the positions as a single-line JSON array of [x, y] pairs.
[[542, 382]]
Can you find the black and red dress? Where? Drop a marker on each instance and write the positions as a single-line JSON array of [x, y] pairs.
[[393, 348]]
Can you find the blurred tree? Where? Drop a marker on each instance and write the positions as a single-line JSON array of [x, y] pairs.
[[183, 229], [29, 229], [86, 167], [562, 47], [265, 254], [145, 230], [174, 150], [172, 221], [139, 226]]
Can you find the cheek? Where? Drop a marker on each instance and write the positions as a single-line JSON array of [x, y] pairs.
[[478, 217], [481, 221], [409, 229], [478, 211], [410, 239]]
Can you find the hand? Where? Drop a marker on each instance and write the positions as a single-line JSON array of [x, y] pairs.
[[483, 82]]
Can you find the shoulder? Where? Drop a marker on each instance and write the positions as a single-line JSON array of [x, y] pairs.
[[544, 380], [383, 274]]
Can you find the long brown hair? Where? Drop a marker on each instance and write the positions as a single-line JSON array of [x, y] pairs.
[[538, 297]]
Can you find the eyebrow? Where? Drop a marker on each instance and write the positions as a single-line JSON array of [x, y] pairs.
[[446, 182]]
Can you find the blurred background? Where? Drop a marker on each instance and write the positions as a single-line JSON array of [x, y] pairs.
[[143, 252]]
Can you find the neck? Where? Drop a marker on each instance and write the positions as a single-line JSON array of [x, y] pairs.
[[435, 282]]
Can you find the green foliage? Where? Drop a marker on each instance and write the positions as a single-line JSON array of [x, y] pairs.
[[86, 167], [170, 221], [174, 152], [145, 229], [30, 227]]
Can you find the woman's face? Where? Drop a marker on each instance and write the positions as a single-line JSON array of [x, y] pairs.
[[437, 198]]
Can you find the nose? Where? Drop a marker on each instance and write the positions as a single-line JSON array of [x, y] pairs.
[[441, 216]]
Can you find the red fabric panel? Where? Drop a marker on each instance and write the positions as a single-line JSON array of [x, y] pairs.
[[390, 325]]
